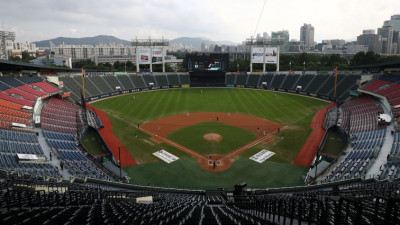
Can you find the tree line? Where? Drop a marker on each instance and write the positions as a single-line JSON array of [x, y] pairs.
[[313, 62]]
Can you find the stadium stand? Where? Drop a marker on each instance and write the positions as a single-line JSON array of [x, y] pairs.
[[45, 87], [277, 81], [11, 82], [290, 82], [352, 202], [29, 89], [253, 80], [126, 82], [328, 86], [20, 94], [90, 87], [101, 84], [138, 81], [184, 79], [29, 80], [113, 82], [161, 80], [149, 79], [316, 83], [267, 78], [173, 79], [342, 198], [60, 121], [241, 79], [230, 79]]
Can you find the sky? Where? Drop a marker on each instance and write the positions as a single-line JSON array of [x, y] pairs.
[[218, 20]]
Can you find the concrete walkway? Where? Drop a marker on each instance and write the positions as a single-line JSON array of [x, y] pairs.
[[46, 147], [46, 150], [385, 150]]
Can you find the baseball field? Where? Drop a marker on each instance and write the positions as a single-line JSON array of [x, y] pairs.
[[211, 124]]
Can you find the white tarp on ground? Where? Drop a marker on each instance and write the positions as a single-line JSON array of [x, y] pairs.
[[261, 156], [27, 157], [165, 156], [385, 117]]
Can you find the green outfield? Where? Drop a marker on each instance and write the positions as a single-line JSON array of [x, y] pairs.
[[232, 138], [125, 112]]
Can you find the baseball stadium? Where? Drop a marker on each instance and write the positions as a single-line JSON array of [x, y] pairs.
[[199, 147]]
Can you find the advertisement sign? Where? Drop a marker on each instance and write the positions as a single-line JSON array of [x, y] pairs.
[[257, 54], [156, 56], [271, 55], [144, 56]]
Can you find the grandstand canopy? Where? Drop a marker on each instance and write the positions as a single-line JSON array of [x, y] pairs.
[[6, 66], [375, 66]]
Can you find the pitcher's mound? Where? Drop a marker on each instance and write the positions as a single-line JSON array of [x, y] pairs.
[[213, 137]]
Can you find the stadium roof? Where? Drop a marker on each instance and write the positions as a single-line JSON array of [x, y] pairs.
[[394, 64], [6, 66]]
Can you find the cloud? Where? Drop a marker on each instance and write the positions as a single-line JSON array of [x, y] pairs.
[[233, 20], [73, 30]]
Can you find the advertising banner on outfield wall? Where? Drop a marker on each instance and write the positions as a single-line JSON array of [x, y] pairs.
[[271, 55], [257, 54], [144, 55], [156, 56]]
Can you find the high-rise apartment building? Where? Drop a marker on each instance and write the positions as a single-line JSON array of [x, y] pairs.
[[370, 39], [307, 36], [386, 33]]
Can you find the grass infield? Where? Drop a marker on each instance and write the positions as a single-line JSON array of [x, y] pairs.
[[232, 138]]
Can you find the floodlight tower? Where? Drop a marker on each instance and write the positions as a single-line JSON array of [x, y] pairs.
[[150, 51], [264, 50]]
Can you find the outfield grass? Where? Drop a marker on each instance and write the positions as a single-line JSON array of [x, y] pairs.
[[125, 112], [232, 137], [285, 149], [146, 106]]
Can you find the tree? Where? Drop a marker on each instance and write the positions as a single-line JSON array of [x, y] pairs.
[[244, 65], [363, 58]]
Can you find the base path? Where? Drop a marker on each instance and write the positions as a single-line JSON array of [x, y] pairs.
[[310, 147], [111, 140], [161, 128], [164, 126]]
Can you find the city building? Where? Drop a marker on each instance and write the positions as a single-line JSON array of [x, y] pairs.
[[83, 52], [17, 48], [203, 46], [5, 38], [394, 22], [52, 60], [354, 48], [371, 39], [307, 36], [386, 33], [283, 34]]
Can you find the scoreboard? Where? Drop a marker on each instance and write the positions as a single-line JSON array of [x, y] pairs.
[[207, 69], [202, 62]]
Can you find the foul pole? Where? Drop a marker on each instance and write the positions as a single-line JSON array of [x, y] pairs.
[[83, 82], [334, 95]]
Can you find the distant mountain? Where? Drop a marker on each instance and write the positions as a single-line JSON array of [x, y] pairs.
[[226, 43], [196, 41], [82, 41]]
